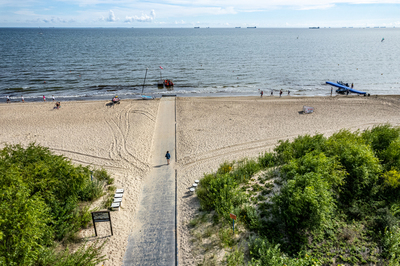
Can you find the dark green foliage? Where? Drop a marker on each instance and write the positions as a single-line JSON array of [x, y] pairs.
[[266, 160], [219, 193], [250, 217], [335, 198], [244, 170], [380, 137], [305, 203], [39, 197], [82, 257], [362, 166], [300, 146]]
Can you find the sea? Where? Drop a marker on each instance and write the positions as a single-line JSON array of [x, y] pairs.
[[99, 63]]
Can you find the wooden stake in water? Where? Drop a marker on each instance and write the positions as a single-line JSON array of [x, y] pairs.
[[144, 79]]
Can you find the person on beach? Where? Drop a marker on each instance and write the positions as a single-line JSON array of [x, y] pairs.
[[58, 105], [22, 99], [347, 92], [53, 98], [272, 92], [168, 156], [280, 93], [8, 99], [44, 98], [288, 92], [352, 85], [331, 91], [261, 93]]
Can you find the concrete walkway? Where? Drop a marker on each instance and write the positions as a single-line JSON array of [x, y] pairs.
[[152, 241]]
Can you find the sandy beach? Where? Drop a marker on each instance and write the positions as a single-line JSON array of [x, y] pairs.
[[209, 132]]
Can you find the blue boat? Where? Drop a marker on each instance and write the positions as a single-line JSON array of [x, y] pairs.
[[343, 89]]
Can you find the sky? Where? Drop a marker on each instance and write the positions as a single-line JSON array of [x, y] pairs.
[[200, 13]]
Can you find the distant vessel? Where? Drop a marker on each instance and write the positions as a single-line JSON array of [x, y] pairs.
[[237, 27], [314, 28], [197, 27], [251, 27]]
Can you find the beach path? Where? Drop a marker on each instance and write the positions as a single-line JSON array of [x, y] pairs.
[[152, 240]]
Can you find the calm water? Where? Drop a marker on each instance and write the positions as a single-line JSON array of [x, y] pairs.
[[98, 63]]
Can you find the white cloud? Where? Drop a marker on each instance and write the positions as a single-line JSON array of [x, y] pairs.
[[57, 20], [111, 17], [142, 18], [180, 22]]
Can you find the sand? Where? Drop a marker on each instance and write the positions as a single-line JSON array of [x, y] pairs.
[[117, 138], [209, 132]]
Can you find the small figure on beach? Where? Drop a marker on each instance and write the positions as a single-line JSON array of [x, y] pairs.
[[168, 156], [44, 98], [8, 99], [58, 105], [53, 98], [280, 93], [347, 92], [22, 99], [262, 93], [288, 92], [272, 92], [331, 91], [352, 85]]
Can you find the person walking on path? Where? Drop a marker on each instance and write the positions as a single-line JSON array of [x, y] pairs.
[[44, 98], [168, 156], [280, 93], [261, 93], [8, 99], [22, 99]]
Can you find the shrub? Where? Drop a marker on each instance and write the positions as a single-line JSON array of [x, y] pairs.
[[328, 167], [250, 217], [305, 203], [39, 203], [358, 160], [391, 156], [244, 170], [380, 137], [266, 160], [300, 146], [235, 258]]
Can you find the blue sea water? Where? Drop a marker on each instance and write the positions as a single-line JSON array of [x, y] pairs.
[[98, 63]]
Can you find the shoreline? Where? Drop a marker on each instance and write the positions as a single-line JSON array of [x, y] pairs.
[[210, 96]]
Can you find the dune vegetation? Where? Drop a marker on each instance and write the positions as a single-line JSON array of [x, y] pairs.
[[44, 202], [314, 201]]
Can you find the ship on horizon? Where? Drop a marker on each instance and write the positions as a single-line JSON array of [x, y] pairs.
[[314, 28]]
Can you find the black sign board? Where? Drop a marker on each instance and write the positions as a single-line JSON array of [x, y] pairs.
[[101, 216]]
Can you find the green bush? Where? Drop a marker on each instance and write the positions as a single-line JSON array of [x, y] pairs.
[[380, 137], [250, 217], [266, 160], [39, 202], [362, 166], [304, 203], [286, 151]]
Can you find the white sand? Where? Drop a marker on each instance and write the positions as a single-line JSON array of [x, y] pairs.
[[209, 132]]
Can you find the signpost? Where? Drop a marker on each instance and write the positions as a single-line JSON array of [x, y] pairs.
[[233, 220], [101, 216]]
